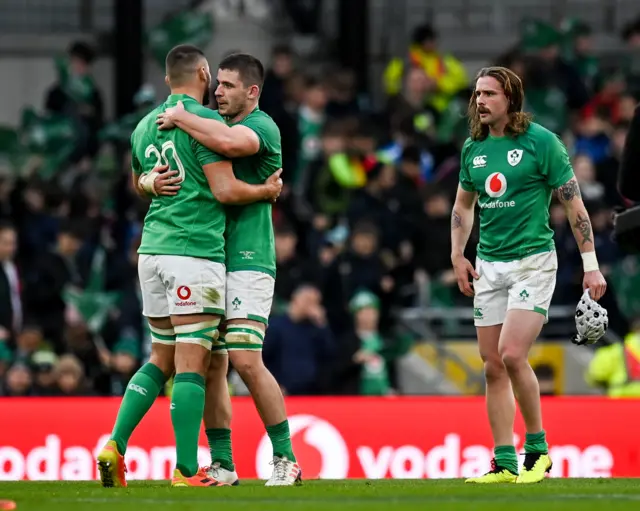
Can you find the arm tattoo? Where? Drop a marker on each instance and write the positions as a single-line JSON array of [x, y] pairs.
[[583, 226], [456, 220], [568, 191]]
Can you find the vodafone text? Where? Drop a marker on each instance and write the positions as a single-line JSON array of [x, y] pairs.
[[51, 461]]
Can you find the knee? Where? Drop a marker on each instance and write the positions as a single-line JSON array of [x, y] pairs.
[[513, 359], [164, 362], [218, 366], [494, 369], [247, 364]]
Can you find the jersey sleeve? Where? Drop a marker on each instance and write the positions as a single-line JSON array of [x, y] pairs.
[[554, 160], [267, 131], [204, 155], [135, 163], [466, 183]]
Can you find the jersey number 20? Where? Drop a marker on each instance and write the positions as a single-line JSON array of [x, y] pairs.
[[163, 159]]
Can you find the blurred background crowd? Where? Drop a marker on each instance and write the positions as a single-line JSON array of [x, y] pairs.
[[366, 300]]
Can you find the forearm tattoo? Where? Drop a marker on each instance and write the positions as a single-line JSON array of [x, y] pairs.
[[568, 191], [583, 226], [456, 220]]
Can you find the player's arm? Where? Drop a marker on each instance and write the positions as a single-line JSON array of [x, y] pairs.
[[461, 226], [230, 141], [571, 198], [229, 190], [462, 220], [556, 167]]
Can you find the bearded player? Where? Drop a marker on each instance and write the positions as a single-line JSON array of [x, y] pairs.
[[511, 167], [252, 139], [181, 268]]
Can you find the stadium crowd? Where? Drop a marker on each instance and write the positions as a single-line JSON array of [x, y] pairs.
[[362, 226]]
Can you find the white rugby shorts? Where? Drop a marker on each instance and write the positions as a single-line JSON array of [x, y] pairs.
[[175, 285], [526, 284]]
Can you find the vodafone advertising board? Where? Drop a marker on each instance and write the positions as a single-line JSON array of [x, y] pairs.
[[334, 438]]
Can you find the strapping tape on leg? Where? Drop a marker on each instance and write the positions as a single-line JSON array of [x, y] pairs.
[[219, 347], [243, 337], [204, 333], [162, 335]]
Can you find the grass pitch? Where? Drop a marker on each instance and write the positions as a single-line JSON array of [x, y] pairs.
[[353, 495]]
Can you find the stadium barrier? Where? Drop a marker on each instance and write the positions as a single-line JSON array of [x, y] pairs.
[[334, 438]]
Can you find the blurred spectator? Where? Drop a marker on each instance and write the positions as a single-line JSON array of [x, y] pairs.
[[607, 169], [11, 309], [299, 346], [18, 381], [69, 375], [292, 269], [43, 364], [585, 172], [273, 99], [77, 96], [342, 95], [360, 367], [360, 266], [554, 87], [54, 271], [445, 74], [310, 121], [615, 367], [28, 342], [578, 50]]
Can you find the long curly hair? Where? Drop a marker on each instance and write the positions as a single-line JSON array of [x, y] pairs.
[[514, 91]]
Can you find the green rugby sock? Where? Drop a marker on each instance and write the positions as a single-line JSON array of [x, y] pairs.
[[187, 407], [536, 443], [142, 391], [281, 440], [220, 446], [505, 456]]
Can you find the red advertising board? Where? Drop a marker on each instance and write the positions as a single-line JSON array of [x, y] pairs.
[[334, 438]]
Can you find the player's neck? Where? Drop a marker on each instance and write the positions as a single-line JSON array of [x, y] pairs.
[[188, 91], [237, 118], [497, 129]]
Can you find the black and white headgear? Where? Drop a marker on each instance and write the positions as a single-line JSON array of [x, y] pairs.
[[591, 321]]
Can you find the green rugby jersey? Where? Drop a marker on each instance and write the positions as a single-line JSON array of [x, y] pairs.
[[249, 234], [191, 223], [514, 179]]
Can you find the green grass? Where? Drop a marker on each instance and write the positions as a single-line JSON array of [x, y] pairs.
[[354, 495]]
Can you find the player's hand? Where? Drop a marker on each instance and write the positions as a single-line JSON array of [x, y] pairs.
[[167, 183], [596, 283], [463, 268], [274, 185], [167, 119]]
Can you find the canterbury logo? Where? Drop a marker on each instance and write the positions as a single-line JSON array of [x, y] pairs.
[[137, 388], [479, 162]]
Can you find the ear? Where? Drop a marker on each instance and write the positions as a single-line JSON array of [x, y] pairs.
[[254, 91], [166, 80]]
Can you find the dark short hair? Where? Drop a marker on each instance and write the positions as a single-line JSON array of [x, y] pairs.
[[424, 33], [250, 69], [74, 228], [182, 62], [82, 51], [5, 225]]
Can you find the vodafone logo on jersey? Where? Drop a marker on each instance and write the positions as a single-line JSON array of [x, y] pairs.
[[495, 185], [320, 449]]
